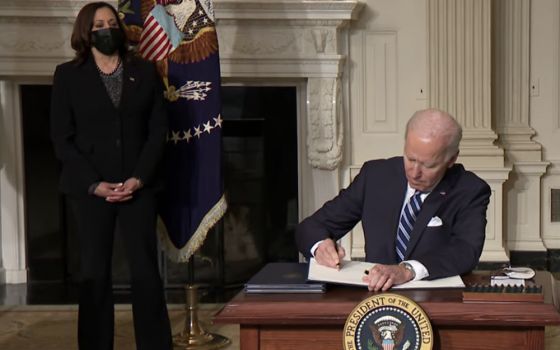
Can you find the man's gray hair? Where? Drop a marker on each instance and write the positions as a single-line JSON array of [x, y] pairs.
[[434, 123]]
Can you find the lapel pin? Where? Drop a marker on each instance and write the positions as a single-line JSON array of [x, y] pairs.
[[443, 193], [131, 79]]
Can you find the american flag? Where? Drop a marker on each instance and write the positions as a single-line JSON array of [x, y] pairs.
[[180, 36]]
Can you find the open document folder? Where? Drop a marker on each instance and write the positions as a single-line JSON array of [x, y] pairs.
[[351, 272]]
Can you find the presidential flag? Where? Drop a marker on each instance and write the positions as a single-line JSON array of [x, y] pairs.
[[180, 37]]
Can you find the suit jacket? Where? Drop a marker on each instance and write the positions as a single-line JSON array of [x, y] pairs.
[[96, 141], [376, 198]]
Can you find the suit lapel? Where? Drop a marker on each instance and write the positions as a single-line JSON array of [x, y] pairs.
[[429, 207], [131, 80]]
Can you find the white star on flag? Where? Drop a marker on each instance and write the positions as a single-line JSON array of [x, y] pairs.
[[218, 121], [175, 136], [187, 135], [207, 127]]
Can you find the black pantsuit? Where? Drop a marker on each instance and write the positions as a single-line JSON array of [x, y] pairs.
[[96, 222], [97, 141]]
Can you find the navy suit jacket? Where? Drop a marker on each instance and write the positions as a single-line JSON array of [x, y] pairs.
[[97, 141], [376, 197]]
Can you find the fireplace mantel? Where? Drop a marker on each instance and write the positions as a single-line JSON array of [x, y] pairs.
[[36, 34], [304, 43]]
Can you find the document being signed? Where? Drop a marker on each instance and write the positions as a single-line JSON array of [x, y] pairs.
[[351, 272]]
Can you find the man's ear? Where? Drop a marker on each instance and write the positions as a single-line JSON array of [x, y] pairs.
[[453, 159]]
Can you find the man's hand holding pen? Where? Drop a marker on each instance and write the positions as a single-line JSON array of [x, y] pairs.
[[330, 254]]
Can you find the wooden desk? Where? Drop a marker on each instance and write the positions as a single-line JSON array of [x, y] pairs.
[[315, 321]]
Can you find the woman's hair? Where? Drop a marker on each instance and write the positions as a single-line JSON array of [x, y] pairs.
[[81, 34]]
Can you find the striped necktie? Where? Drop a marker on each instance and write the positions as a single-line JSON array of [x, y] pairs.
[[406, 223]]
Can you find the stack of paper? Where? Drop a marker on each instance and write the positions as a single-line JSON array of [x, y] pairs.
[[283, 278], [352, 272]]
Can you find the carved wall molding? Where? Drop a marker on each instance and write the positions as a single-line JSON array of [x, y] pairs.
[[20, 20], [47, 9], [324, 126], [12, 219], [288, 9], [247, 42], [277, 41], [31, 45]]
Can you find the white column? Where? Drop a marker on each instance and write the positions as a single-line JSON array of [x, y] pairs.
[[459, 38], [511, 112], [494, 249], [523, 219], [459, 78], [12, 226]]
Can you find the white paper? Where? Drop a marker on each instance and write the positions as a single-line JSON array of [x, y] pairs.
[[351, 272]]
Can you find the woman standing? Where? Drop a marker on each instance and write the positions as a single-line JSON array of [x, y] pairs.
[[109, 127]]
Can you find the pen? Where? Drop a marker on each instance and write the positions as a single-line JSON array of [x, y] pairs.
[[336, 250]]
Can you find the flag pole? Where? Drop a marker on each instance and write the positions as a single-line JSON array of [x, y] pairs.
[[185, 50], [194, 336]]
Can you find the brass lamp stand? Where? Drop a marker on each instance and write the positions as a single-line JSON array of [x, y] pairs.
[[194, 336]]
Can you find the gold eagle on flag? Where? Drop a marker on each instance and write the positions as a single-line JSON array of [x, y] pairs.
[[182, 31]]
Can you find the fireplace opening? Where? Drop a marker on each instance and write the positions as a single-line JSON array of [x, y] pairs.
[[260, 159]]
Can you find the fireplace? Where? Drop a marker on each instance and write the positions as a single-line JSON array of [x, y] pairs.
[[302, 44], [260, 175]]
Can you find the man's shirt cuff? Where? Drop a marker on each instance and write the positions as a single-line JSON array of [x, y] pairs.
[[314, 248], [419, 269]]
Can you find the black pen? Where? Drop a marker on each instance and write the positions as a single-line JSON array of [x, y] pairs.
[[336, 250]]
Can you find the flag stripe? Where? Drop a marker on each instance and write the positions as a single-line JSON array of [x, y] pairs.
[[162, 42], [148, 32], [154, 39], [162, 53]]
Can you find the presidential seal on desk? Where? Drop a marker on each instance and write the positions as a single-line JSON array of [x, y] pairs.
[[388, 322]]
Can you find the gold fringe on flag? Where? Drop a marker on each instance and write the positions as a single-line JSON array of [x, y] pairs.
[[197, 239]]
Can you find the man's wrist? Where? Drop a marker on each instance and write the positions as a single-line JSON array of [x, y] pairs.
[[409, 267]]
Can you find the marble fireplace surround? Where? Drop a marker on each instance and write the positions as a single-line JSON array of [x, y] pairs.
[[273, 42]]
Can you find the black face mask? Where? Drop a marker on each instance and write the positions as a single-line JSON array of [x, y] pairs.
[[107, 40]]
